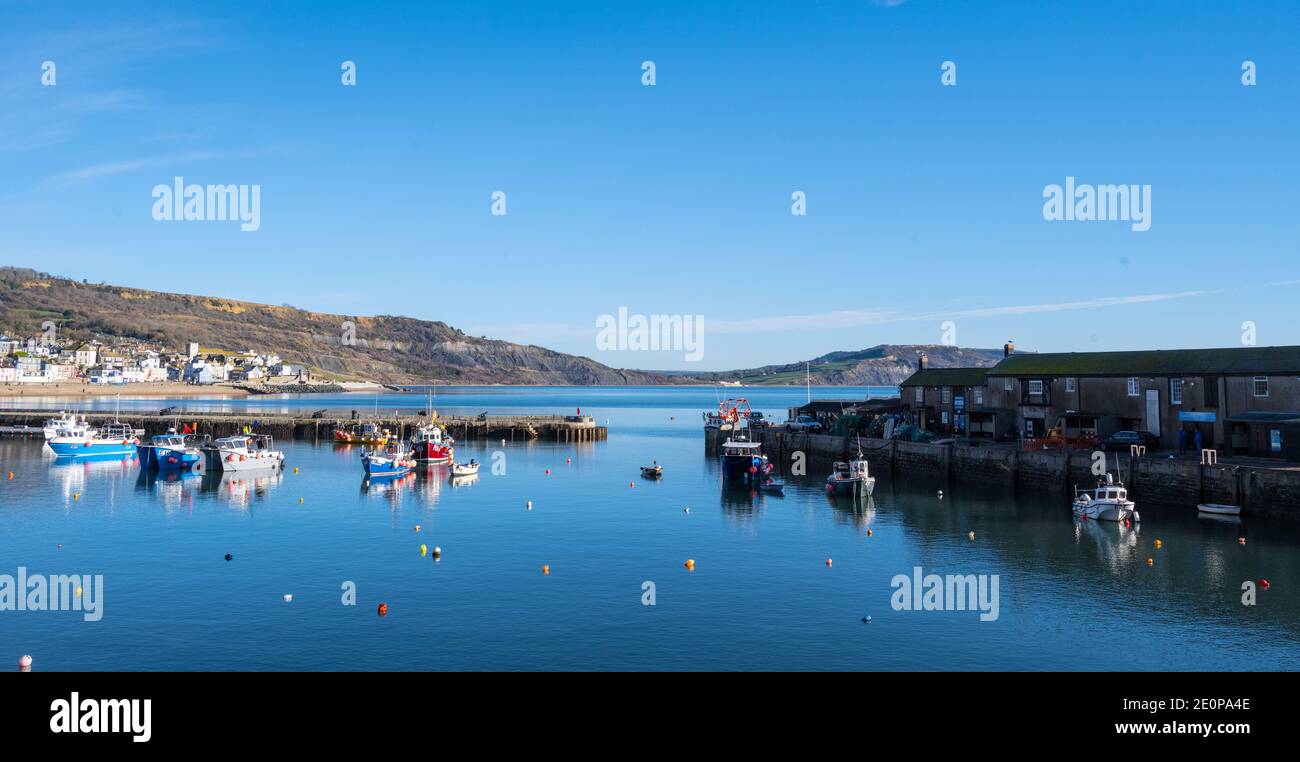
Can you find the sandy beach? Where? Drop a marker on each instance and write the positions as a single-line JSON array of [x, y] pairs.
[[78, 390]]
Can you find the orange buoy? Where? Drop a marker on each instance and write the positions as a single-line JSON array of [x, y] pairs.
[[546, 568], [417, 527], [1151, 562], [869, 533], [1159, 544], [383, 609], [11, 474], [690, 564]]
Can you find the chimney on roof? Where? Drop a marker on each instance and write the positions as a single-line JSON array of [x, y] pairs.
[[1009, 348], [923, 362]]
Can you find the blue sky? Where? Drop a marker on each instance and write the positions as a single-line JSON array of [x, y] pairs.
[[924, 201]]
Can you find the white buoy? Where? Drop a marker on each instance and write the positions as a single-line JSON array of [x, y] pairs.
[[530, 505], [25, 663], [972, 534], [288, 598], [437, 551], [503, 443], [687, 509]]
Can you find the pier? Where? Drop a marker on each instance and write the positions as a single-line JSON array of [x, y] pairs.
[[319, 427], [1259, 489]]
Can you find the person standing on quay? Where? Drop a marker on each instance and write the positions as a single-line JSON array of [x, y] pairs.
[[1198, 441], [1182, 441]]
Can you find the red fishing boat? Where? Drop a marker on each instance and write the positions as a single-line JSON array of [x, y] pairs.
[[432, 445]]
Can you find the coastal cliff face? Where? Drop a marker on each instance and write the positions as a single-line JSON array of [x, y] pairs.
[[388, 349], [881, 365]]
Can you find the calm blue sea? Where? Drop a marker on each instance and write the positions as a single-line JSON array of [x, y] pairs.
[[1072, 596]]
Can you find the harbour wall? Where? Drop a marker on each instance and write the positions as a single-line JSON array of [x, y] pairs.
[[491, 428], [1267, 492]]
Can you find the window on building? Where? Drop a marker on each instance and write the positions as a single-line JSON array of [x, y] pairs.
[[1008, 385], [978, 395], [1133, 388], [1069, 384], [920, 394], [1035, 386], [1261, 386], [946, 395], [1175, 391]]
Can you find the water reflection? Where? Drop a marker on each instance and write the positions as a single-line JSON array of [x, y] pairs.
[[241, 489], [856, 512]]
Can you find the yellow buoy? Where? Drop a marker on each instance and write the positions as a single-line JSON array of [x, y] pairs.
[[295, 469], [76, 495], [1159, 543], [424, 549], [299, 500]]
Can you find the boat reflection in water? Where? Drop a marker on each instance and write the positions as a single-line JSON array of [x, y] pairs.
[[463, 481], [1116, 543], [74, 473], [241, 488], [175, 488], [852, 510]]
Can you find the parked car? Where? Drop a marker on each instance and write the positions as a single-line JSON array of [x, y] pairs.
[[1122, 440], [804, 423]]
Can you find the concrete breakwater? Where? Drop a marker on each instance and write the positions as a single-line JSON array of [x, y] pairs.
[[512, 428], [1150, 479]]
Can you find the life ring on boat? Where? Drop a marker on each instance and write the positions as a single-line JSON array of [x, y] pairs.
[[230, 458], [242, 458]]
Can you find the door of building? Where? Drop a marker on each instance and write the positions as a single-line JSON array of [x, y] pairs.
[[1153, 411]]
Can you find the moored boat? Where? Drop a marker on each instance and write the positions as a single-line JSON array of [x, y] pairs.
[[772, 486], [392, 461], [851, 477], [432, 445], [741, 458], [653, 471], [1219, 509], [362, 433], [245, 452], [110, 439], [464, 469], [1108, 502], [172, 451]]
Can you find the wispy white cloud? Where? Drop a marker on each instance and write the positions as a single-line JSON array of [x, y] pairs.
[[108, 169]]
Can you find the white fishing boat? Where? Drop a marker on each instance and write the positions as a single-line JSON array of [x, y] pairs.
[[851, 478], [245, 452], [66, 424], [1108, 502], [1219, 509], [464, 469]]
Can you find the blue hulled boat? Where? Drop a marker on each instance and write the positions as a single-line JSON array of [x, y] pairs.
[[110, 439], [394, 461], [171, 451]]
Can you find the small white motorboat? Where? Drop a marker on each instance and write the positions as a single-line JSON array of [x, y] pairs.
[[66, 424], [464, 469], [852, 478], [245, 452], [1108, 502], [1219, 509]]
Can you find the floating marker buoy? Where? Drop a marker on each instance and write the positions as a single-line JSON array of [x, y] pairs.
[[59, 546], [568, 460], [383, 609], [690, 564], [869, 533], [1151, 562], [940, 493], [687, 509], [424, 549], [546, 568], [229, 557], [1263, 583], [866, 620], [1159, 543], [76, 495], [11, 475], [971, 534], [437, 551], [288, 598], [25, 663], [295, 469], [631, 485], [1241, 540], [548, 472], [417, 527], [530, 505], [828, 563], [503, 443]]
